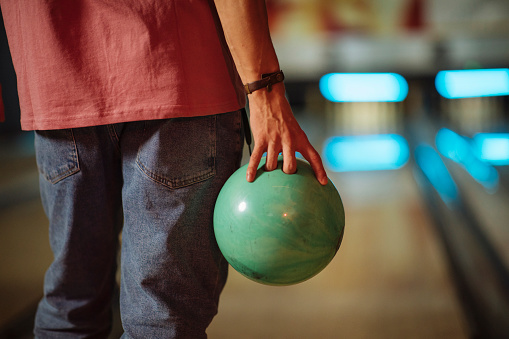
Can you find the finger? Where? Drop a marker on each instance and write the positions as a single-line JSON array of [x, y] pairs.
[[254, 161], [289, 161], [312, 156], [271, 161]]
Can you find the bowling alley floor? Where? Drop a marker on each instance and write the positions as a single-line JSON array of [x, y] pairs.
[[388, 280]]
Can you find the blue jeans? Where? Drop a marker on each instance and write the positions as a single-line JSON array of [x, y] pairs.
[[158, 182]]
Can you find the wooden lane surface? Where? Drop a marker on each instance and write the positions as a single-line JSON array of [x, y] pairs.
[[24, 248], [388, 280]]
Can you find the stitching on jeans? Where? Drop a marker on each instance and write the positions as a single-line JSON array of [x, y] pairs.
[[114, 137], [57, 175], [175, 183]]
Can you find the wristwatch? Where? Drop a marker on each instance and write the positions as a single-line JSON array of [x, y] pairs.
[[267, 81]]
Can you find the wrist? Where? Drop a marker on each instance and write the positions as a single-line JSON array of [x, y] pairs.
[[264, 99], [266, 82], [277, 90]]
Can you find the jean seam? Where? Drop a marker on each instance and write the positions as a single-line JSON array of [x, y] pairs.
[[114, 137], [213, 151], [216, 292], [59, 176], [200, 176], [174, 184]]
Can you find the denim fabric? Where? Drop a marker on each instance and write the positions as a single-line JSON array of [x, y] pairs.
[[159, 181]]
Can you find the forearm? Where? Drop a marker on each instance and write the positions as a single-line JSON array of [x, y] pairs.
[[247, 34], [274, 127]]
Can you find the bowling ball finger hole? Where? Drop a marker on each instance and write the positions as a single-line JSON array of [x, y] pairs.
[[264, 168], [294, 172]]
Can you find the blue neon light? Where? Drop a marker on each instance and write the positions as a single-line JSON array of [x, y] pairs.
[[453, 145], [461, 150], [363, 87], [365, 153], [492, 147], [435, 170], [472, 83]]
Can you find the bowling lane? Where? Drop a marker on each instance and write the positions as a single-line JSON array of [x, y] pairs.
[[24, 249], [468, 200], [482, 122], [389, 279]]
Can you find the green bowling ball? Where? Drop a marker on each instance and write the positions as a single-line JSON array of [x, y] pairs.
[[280, 229]]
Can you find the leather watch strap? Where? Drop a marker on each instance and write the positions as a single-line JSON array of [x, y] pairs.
[[267, 81]]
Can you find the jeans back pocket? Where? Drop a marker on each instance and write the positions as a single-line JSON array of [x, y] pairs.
[[56, 154], [179, 152]]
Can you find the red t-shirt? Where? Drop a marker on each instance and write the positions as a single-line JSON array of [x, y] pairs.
[[93, 62]]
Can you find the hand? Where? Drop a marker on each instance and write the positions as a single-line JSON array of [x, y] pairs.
[[276, 130]]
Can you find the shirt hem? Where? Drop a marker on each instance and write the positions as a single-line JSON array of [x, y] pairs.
[[87, 120]]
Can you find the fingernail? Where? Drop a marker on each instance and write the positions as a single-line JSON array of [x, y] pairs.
[[250, 177]]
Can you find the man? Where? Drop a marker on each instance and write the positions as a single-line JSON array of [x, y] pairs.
[[136, 107]]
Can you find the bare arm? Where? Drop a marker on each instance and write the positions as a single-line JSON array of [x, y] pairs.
[[274, 126]]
